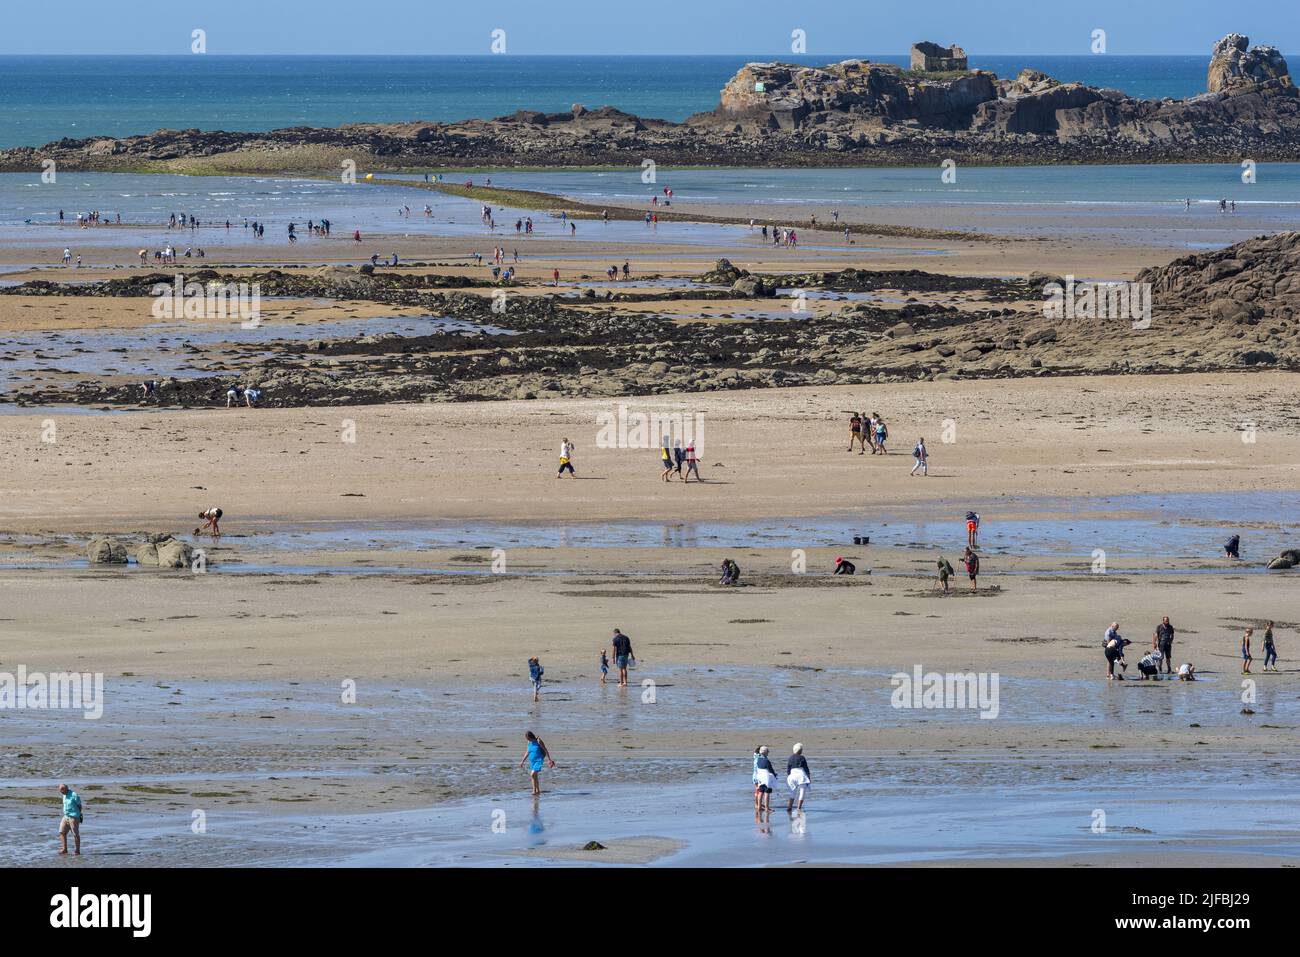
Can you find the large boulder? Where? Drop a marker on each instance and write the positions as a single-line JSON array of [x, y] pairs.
[[174, 554], [1235, 67], [106, 551], [753, 286]]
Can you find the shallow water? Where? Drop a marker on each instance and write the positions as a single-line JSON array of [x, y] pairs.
[[1175, 805], [866, 806], [1183, 525], [160, 350]]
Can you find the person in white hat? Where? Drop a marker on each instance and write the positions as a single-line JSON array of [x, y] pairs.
[[797, 776]]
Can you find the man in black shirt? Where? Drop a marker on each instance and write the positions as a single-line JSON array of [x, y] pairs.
[[1163, 641], [622, 647]]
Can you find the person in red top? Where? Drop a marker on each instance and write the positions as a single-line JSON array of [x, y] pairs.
[[555, 277], [972, 563], [692, 464]]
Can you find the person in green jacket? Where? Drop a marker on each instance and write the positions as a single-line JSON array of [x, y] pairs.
[[945, 570]]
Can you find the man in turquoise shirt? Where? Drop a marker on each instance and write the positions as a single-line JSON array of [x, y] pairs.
[[71, 820]]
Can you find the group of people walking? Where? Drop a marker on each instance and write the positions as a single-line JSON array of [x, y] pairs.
[[797, 778]]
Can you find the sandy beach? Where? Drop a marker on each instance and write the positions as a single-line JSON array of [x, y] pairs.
[[350, 658]]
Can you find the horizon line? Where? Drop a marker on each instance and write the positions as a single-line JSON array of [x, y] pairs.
[[860, 56]]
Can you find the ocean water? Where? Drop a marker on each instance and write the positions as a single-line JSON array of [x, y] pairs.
[[1276, 184], [47, 98]]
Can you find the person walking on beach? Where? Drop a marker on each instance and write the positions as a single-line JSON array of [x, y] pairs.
[[882, 433], [536, 755], [679, 457], [945, 571], [566, 458], [798, 778], [604, 665], [972, 563], [666, 459], [1270, 653], [1246, 659], [1113, 643], [71, 821], [535, 672], [621, 645], [922, 458], [1163, 641], [692, 464], [855, 433], [766, 780], [211, 519]]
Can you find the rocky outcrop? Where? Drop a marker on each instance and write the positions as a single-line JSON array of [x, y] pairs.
[[855, 112], [1256, 282], [1234, 67], [1289, 558], [164, 551], [106, 551]]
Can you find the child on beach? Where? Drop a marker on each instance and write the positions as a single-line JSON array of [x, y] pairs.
[[666, 458], [1270, 653], [535, 672], [604, 665], [1187, 671], [566, 458], [1246, 659], [536, 755]]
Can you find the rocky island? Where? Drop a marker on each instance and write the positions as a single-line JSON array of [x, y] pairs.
[[851, 113]]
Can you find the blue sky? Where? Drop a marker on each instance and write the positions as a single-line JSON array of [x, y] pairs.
[[640, 26]]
